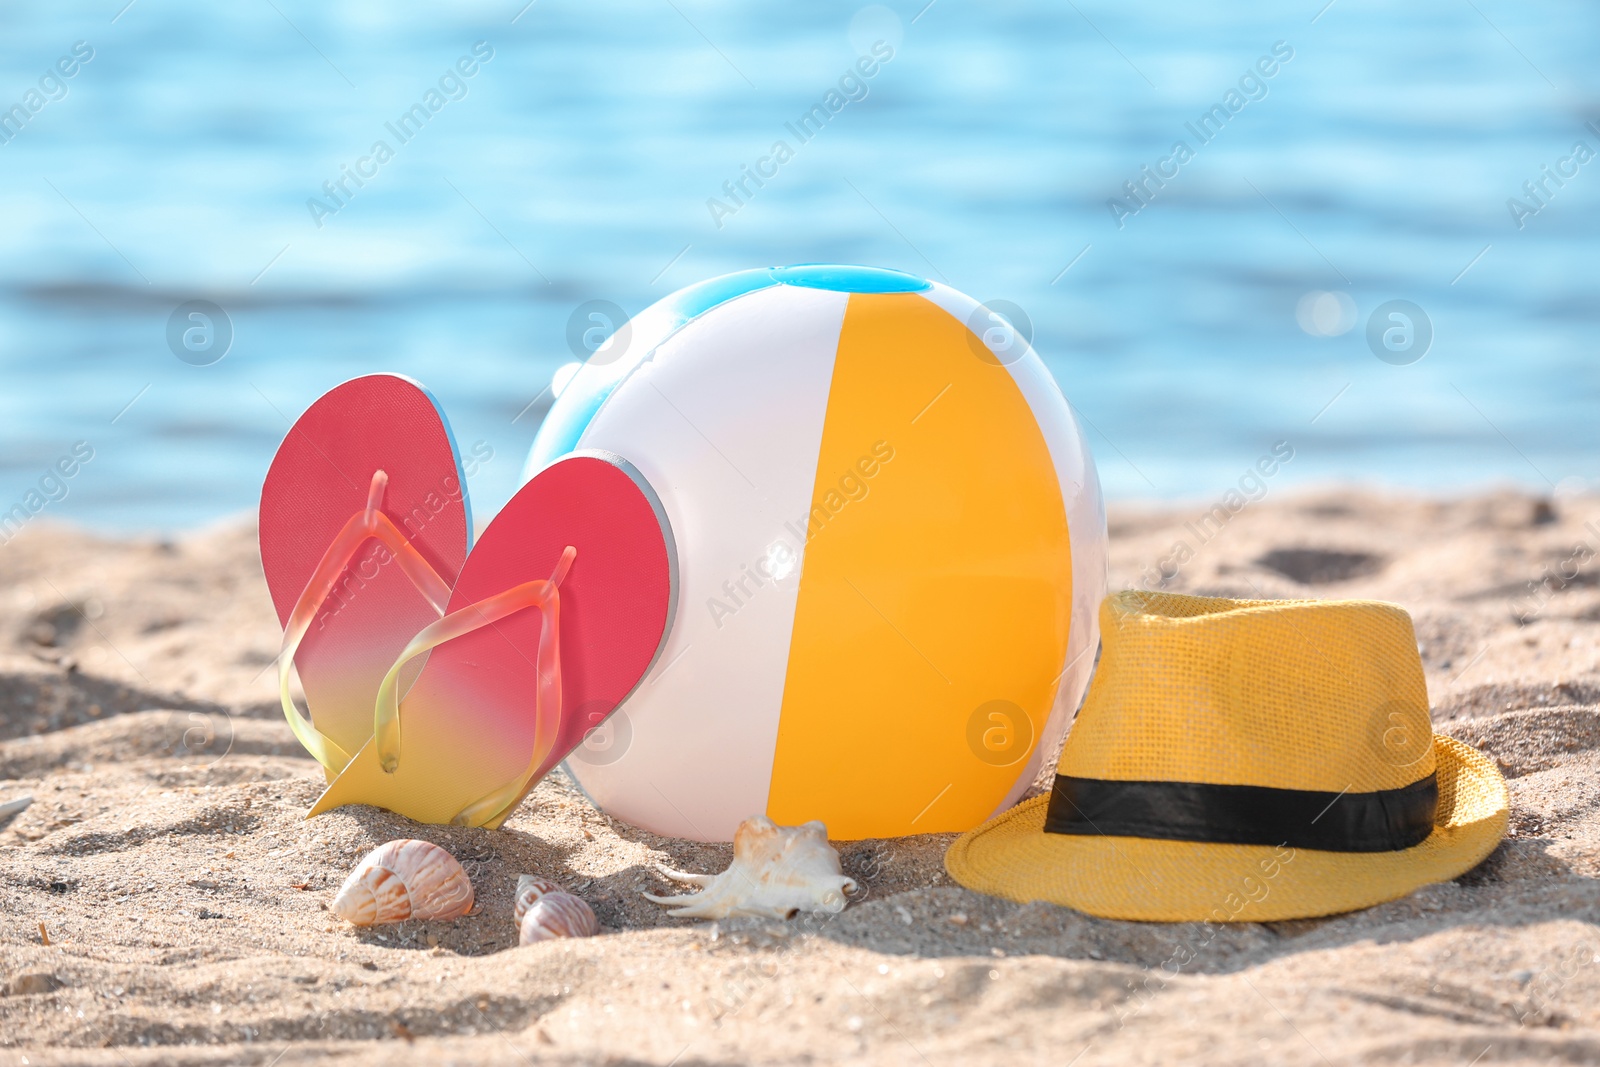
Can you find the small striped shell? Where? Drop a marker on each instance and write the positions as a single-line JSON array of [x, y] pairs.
[[557, 915], [530, 887], [404, 880]]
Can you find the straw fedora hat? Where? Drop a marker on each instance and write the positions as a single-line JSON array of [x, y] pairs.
[[1245, 761]]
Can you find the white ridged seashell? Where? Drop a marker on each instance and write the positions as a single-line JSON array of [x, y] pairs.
[[404, 880], [557, 915], [776, 872], [12, 808], [530, 887]]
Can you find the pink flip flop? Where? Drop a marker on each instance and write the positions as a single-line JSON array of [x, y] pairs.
[[364, 526], [558, 614]]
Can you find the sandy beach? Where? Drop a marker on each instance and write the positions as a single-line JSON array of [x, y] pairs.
[[164, 901]]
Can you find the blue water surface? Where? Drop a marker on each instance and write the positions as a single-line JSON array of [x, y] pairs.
[[604, 153]]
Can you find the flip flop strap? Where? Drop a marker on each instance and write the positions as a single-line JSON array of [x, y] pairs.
[[543, 594], [363, 525]]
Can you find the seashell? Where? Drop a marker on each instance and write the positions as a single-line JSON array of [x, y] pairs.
[[555, 915], [776, 872], [404, 880], [12, 808], [530, 887]]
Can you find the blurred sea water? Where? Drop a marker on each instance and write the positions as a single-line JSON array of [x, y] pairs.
[[578, 159]]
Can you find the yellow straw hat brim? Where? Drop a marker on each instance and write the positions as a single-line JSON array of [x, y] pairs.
[[1184, 881]]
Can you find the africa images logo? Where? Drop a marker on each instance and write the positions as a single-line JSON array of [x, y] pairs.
[[1251, 87], [451, 86], [852, 88]]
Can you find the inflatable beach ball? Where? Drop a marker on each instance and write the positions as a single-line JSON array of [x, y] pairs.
[[890, 549]]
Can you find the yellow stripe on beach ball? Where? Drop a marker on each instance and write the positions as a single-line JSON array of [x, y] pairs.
[[932, 588]]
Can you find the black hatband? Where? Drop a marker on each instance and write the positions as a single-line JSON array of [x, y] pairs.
[[1385, 821]]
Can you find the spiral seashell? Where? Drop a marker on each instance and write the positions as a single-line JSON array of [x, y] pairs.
[[530, 887], [776, 872], [556, 915], [404, 880]]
